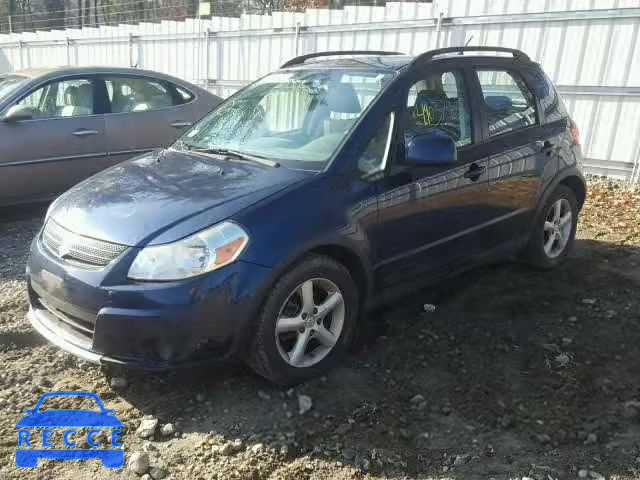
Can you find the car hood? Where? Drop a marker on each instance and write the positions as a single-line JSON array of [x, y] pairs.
[[69, 418], [164, 196]]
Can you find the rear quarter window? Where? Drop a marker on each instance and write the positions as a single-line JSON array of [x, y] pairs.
[[550, 102], [183, 96]]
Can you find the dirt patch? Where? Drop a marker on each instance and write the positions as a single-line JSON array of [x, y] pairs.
[[517, 373]]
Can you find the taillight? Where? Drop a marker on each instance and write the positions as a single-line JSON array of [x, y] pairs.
[[575, 134]]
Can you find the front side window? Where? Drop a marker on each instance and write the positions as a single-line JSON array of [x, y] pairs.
[[439, 101], [136, 94], [65, 98], [509, 103], [298, 118]]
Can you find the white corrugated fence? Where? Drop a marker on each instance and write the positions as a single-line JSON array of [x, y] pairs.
[[590, 49]]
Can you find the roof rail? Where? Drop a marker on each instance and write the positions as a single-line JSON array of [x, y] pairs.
[[302, 58], [425, 57]]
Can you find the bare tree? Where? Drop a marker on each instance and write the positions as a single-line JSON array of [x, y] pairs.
[[79, 13], [54, 14], [87, 13]]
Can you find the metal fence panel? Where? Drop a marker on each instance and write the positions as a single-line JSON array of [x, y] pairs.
[[590, 49]]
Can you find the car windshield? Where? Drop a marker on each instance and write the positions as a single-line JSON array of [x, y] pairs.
[[9, 83], [297, 118], [75, 402]]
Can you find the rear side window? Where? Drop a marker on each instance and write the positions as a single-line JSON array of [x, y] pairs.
[[509, 103], [137, 94]]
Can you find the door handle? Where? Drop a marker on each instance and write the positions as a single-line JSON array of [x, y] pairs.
[[84, 133], [474, 172], [181, 124]]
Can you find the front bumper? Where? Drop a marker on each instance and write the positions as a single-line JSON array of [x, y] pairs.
[[102, 317]]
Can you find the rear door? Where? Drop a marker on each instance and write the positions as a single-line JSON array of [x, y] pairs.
[[146, 114], [61, 145], [520, 148]]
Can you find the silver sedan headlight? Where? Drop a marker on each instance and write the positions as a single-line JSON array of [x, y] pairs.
[[202, 252]]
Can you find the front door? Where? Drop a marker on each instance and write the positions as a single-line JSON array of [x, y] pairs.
[[61, 145], [430, 217]]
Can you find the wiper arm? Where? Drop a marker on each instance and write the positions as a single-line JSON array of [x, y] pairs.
[[241, 155]]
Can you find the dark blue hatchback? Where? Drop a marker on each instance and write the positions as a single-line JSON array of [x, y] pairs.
[[320, 190]]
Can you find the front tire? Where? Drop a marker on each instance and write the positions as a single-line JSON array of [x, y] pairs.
[[306, 322], [554, 230]]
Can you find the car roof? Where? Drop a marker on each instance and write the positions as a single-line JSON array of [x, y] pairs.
[[50, 72], [372, 62]]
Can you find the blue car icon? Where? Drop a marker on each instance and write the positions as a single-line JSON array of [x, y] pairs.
[[70, 419]]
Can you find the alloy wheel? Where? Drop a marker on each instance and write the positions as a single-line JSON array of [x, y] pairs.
[[557, 228], [310, 322]]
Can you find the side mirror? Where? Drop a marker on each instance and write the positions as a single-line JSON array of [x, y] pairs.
[[431, 148], [17, 113]]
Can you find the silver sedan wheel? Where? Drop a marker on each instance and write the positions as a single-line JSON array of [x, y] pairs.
[[557, 228], [310, 322]]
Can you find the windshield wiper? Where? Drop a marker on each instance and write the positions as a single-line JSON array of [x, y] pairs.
[[225, 152], [243, 156]]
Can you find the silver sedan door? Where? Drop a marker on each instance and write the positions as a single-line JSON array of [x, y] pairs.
[[58, 143]]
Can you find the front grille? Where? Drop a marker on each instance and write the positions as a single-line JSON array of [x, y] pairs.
[[79, 250]]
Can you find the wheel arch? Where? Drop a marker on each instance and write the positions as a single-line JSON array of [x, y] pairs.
[[570, 177], [335, 248], [578, 186], [352, 261]]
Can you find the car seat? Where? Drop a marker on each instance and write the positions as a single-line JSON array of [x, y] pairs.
[[343, 107], [78, 100], [70, 101]]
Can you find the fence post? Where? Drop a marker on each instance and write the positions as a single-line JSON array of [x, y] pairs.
[[20, 48], [439, 29], [297, 39], [131, 39], [207, 52], [635, 172], [68, 41]]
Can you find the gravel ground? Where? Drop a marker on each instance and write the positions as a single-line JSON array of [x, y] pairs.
[[517, 373]]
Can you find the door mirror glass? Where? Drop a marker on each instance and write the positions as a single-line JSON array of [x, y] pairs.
[[18, 113], [431, 148]]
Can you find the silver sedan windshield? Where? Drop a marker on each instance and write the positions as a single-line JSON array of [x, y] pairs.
[[9, 83]]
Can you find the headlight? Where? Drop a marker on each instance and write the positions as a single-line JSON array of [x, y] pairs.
[[203, 252]]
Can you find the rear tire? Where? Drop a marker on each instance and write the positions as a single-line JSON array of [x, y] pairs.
[[306, 323], [554, 230]]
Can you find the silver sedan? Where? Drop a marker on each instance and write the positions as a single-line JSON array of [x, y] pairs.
[[58, 126]]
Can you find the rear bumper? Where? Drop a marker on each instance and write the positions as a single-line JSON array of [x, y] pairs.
[[102, 317]]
